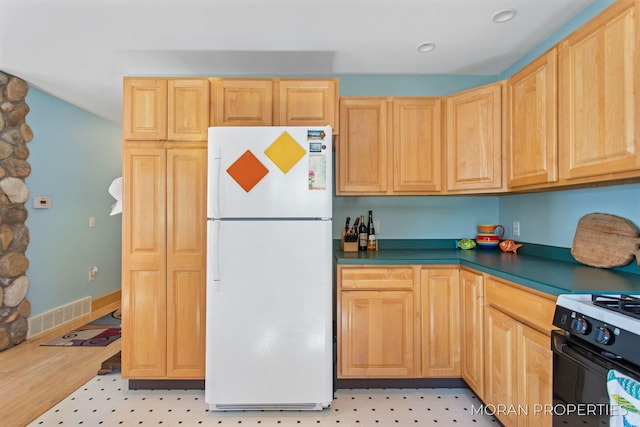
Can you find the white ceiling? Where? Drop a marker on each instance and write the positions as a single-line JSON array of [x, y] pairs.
[[79, 50]]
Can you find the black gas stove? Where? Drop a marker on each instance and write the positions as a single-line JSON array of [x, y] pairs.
[[624, 304], [600, 334], [609, 322]]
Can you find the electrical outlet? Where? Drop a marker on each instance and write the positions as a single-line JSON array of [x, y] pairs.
[[92, 221], [515, 229]]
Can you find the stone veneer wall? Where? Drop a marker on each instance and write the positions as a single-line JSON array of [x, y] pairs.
[[14, 235]]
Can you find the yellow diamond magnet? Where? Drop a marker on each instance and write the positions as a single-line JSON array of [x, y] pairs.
[[285, 152]]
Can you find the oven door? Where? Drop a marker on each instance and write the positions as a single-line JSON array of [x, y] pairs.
[[580, 370]]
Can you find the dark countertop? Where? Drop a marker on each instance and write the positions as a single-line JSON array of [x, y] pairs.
[[544, 274]]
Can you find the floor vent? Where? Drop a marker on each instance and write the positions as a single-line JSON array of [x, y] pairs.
[[57, 316]]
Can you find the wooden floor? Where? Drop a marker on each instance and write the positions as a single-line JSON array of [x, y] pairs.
[[33, 378]]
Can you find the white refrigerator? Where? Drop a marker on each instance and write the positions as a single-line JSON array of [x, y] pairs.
[[269, 269]]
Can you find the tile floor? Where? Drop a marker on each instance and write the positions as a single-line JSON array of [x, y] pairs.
[[106, 400]]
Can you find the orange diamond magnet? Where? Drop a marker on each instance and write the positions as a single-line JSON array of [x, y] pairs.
[[247, 171], [285, 152]]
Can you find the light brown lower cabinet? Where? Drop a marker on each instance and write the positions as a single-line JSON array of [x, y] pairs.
[[398, 322], [440, 322], [518, 358], [471, 329], [535, 376], [376, 322], [500, 368]]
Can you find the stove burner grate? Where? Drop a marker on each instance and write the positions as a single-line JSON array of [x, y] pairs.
[[625, 304]]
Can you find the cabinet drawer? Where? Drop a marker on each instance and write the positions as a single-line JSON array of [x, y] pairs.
[[533, 309], [376, 278]]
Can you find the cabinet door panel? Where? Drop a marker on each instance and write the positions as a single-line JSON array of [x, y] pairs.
[[186, 258], [440, 322], [474, 139], [143, 204], [144, 330], [144, 109], [144, 263], [242, 102], [417, 142], [533, 132], [186, 324], [501, 363], [599, 133], [376, 334], [472, 318], [307, 103], [188, 109], [362, 153], [535, 376]]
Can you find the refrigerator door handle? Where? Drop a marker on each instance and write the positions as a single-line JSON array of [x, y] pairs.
[[214, 181], [215, 259]]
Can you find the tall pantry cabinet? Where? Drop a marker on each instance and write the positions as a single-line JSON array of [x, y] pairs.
[[164, 230]]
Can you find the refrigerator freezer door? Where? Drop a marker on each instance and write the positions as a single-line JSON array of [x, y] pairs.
[[274, 172], [269, 321]]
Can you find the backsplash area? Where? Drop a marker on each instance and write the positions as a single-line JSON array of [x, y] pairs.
[[547, 220], [14, 235], [425, 217]]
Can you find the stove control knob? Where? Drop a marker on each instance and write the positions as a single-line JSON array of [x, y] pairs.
[[602, 335], [580, 326]]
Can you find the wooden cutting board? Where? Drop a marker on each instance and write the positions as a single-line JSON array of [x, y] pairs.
[[606, 241]]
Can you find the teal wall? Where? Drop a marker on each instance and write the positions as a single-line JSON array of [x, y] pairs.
[[432, 217], [408, 85], [74, 156], [551, 218]]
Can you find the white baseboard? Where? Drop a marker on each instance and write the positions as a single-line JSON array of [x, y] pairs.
[[57, 316]]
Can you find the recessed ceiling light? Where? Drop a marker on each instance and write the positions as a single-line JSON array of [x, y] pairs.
[[503, 15], [426, 47]]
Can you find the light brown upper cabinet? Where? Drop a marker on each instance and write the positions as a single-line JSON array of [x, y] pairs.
[[242, 102], [417, 142], [389, 146], [532, 146], [474, 140], [599, 104], [306, 102], [274, 102], [361, 160], [144, 109], [150, 102], [187, 109]]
